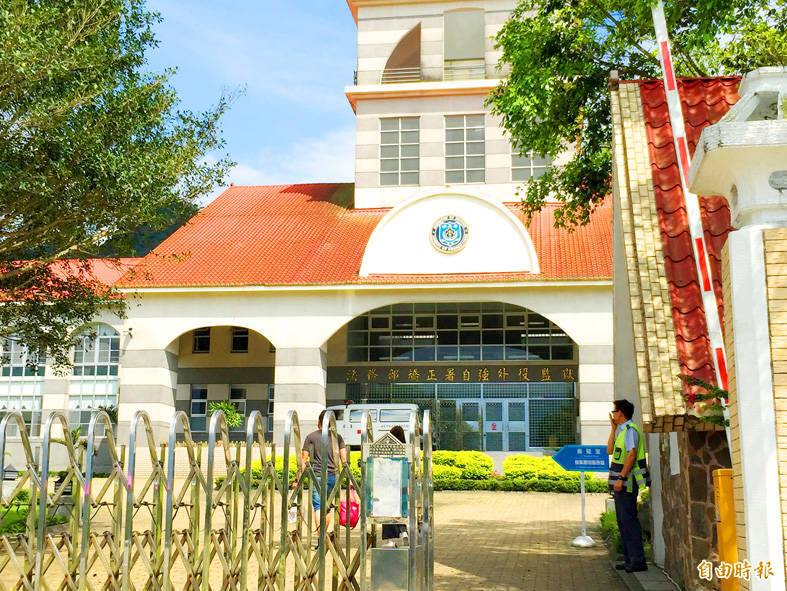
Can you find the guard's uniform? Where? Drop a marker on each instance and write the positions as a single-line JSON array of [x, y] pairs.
[[628, 437]]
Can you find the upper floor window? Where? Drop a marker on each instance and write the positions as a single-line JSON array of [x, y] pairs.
[[463, 47], [95, 374], [240, 340], [399, 139], [470, 331], [21, 384], [201, 340], [464, 149], [17, 361], [199, 407], [526, 166], [97, 352]]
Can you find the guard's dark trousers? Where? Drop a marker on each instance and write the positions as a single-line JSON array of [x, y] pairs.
[[630, 529]]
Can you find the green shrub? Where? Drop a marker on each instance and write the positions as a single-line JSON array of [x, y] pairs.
[[474, 465], [473, 470], [231, 415], [441, 472], [14, 520], [609, 527], [257, 470]]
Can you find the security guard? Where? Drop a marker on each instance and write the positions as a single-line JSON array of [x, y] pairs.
[[628, 472]]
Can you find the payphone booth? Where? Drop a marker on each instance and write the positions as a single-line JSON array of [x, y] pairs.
[[399, 490]]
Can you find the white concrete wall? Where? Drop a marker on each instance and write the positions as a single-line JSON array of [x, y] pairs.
[[431, 112], [496, 241], [381, 27], [302, 321]]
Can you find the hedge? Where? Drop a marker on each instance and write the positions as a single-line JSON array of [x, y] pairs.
[[474, 470]]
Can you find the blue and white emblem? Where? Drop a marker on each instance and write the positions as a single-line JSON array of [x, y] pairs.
[[449, 234]]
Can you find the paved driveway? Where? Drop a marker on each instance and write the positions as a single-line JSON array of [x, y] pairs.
[[508, 541]]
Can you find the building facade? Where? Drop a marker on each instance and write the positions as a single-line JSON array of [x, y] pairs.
[[421, 281]]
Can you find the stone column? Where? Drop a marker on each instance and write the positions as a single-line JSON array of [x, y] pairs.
[[147, 381], [300, 377]]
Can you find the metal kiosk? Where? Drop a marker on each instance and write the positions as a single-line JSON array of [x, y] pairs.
[[399, 489]]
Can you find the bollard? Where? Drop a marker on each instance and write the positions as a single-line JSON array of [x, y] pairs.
[[725, 523]]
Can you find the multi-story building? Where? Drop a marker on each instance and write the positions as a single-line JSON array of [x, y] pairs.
[[419, 282]]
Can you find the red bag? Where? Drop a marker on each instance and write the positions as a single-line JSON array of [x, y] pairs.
[[355, 510]]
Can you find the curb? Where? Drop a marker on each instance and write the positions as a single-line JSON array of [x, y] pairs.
[[652, 579]]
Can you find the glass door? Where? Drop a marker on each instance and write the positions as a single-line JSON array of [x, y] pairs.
[[470, 425], [516, 425], [494, 425]]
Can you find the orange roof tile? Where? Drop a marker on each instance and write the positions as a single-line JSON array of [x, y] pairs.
[[310, 235], [704, 102]]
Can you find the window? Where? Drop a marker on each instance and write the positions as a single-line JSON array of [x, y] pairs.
[[270, 408], [201, 340], [400, 417], [529, 165], [240, 340], [463, 44], [356, 415], [399, 151], [464, 149], [21, 384], [238, 398], [199, 407], [468, 331], [94, 379]]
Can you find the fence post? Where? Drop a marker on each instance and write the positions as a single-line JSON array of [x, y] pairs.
[[195, 553], [158, 500]]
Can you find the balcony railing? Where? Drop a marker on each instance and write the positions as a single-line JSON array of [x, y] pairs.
[[395, 75], [465, 71]]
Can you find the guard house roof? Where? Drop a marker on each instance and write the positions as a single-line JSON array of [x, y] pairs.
[[670, 332], [310, 235]]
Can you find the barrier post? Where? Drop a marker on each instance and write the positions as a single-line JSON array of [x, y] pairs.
[[725, 523]]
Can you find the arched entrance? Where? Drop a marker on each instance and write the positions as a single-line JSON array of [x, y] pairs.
[[497, 377], [223, 364]]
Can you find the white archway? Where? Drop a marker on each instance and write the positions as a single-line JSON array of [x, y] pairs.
[[495, 242]]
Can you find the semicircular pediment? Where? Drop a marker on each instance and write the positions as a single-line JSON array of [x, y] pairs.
[[449, 232]]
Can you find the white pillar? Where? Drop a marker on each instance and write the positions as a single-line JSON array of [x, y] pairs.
[[756, 412], [147, 381], [299, 384]]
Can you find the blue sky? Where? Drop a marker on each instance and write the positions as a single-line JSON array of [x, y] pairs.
[[293, 57]]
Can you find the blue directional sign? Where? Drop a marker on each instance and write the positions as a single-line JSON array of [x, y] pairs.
[[583, 458]]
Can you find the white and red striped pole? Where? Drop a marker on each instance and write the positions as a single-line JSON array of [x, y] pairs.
[[709, 303]]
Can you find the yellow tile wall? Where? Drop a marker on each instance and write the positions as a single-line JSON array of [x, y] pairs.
[[775, 242], [735, 436]]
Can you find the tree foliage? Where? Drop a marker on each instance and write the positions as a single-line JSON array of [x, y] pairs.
[[94, 148], [560, 53]]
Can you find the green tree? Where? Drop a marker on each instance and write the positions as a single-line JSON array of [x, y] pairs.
[[560, 53], [94, 149]]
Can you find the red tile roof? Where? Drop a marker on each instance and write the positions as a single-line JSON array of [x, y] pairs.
[[704, 102], [310, 235], [105, 271]]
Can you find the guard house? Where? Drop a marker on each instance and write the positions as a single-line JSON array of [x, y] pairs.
[[420, 282]]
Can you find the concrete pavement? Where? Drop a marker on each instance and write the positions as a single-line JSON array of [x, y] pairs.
[[515, 541]]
